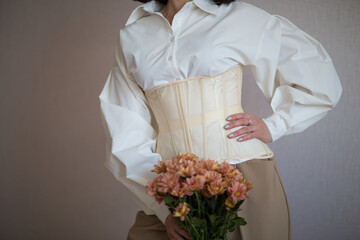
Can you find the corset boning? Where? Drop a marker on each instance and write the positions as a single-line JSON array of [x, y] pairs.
[[190, 116]]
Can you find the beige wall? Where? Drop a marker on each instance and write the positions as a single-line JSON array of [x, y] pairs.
[[54, 59]]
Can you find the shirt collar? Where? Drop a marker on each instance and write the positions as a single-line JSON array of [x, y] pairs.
[[154, 6]]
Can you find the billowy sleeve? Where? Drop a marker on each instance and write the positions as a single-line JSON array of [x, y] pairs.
[[299, 79], [130, 134]]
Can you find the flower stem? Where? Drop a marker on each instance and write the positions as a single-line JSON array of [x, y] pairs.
[[214, 205], [197, 233], [199, 203], [223, 227]]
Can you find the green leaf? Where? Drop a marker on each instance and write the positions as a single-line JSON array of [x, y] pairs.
[[212, 219], [168, 200], [239, 221], [197, 222]]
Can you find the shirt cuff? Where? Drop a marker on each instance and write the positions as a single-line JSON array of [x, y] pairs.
[[276, 126], [163, 212]]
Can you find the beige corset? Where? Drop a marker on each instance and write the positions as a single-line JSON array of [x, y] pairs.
[[191, 114]]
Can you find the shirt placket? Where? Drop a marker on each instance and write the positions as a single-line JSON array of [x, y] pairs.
[[175, 30]]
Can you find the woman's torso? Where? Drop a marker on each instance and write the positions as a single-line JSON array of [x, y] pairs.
[[203, 40]]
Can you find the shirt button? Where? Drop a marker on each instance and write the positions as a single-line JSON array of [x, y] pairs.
[[172, 38], [170, 58]]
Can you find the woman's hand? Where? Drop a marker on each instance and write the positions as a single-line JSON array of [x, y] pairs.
[[255, 127], [174, 231]]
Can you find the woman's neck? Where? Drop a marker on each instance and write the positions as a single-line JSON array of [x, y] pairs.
[[172, 7]]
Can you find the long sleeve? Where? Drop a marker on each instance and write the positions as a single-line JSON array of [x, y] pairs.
[[130, 134], [301, 84]]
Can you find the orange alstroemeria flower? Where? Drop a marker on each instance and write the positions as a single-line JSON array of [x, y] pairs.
[[161, 168], [230, 203], [195, 183], [237, 191], [217, 187], [181, 211]]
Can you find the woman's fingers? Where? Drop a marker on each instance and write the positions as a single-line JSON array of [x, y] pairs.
[[247, 137], [254, 127], [176, 236], [236, 123], [182, 232], [241, 119], [242, 131], [178, 233], [174, 231], [237, 116]]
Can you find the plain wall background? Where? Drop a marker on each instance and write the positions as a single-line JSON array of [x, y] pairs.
[[55, 57]]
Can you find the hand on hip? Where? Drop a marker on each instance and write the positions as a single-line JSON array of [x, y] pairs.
[[254, 127]]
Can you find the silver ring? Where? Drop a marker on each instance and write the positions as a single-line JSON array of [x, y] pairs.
[[249, 121]]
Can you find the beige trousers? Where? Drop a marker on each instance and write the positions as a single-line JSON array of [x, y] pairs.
[[266, 210]]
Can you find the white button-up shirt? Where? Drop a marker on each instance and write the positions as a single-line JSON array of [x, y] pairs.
[[291, 68]]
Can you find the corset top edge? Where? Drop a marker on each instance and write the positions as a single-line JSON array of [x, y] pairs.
[[238, 66]]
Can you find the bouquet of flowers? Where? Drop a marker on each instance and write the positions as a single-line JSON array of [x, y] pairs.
[[203, 195]]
